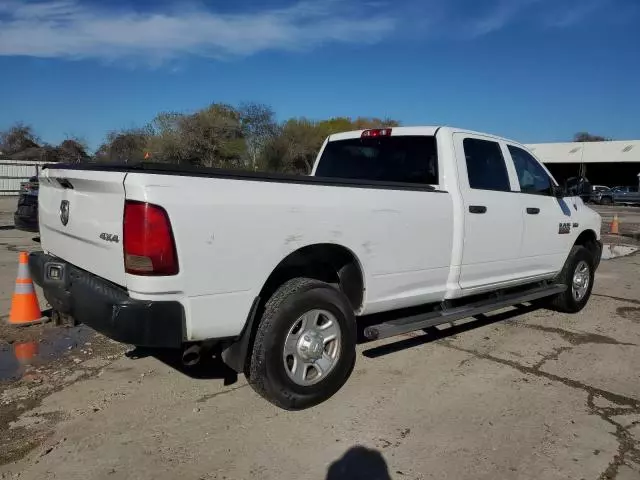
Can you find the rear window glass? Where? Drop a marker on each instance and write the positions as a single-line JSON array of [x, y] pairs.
[[402, 159], [485, 165]]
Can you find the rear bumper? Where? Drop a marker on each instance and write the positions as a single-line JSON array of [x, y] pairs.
[[108, 308]]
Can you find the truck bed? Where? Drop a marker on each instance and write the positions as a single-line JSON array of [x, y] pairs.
[[233, 228]]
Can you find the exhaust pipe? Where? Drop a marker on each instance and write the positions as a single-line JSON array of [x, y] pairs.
[[191, 356]]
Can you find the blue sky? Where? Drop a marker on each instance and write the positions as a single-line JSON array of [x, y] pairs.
[[532, 70]]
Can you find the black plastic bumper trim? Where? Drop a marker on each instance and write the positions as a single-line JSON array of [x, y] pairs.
[[108, 308]]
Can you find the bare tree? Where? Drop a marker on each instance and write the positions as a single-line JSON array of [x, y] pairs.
[[587, 137], [258, 127], [17, 138], [72, 150]]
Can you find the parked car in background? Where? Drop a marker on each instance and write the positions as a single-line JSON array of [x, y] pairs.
[[26, 215], [601, 195], [626, 195]]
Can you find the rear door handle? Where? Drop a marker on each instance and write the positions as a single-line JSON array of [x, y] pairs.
[[477, 209], [533, 211]]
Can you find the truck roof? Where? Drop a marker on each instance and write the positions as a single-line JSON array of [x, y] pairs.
[[427, 130], [418, 130]]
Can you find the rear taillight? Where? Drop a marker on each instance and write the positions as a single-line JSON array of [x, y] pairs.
[[376, 132], [149, 247]]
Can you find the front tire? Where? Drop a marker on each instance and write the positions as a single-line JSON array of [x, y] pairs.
[[577, 274], [304, 348]]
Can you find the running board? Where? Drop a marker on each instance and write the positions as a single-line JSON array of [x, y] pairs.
[[431, 319]]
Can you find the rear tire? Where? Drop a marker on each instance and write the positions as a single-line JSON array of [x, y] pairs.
[[606, 201], [577, 274], [304, 348]]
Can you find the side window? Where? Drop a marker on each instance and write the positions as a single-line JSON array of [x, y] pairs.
[[532, 177], [485, 165]]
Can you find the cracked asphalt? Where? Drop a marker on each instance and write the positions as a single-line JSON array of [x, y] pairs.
[[522, 393]]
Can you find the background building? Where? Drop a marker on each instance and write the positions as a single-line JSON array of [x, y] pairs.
[[609, 163]]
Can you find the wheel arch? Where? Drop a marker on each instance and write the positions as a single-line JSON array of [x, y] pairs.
[[328, 262], [589, 240]]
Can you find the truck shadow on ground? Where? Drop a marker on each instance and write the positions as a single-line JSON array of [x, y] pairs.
[[211, 366], [359, 463]]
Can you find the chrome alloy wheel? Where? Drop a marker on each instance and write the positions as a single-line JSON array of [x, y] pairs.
[[312, 347], [580, 282]]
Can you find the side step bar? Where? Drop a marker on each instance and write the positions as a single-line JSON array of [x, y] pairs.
[[431, 319]]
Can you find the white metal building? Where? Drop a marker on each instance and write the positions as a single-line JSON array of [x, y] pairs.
[[13, 172], [609, 163]]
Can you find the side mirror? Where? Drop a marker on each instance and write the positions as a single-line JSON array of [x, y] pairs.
[[579, 187], [585, 189], [558, 191]]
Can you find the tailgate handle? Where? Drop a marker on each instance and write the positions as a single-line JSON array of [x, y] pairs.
[[477, 209], [65, 183]]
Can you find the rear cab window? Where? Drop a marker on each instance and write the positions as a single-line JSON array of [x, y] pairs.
[[486, 168], [408, 159]]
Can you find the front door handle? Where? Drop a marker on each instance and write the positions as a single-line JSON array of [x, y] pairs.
[[533, 211], [477, 209]]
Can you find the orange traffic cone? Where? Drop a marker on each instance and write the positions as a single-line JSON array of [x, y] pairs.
[[25, 309], [615, 224]]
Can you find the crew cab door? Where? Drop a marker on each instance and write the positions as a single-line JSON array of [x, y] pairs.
[[493, 221], [550, 223]]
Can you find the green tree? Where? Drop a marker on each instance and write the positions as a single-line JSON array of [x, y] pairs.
[[275, 157], [165, 144], [296, 146], [362, 123], [303, 138], [125, 146], [211, 137]]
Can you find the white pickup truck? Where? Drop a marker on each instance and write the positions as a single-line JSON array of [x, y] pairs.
[[427, 224]]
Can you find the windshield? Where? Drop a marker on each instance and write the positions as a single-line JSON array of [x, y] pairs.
[[402, 159]]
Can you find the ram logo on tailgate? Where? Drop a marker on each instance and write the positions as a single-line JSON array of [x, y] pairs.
[[64, 212], [110, 237]]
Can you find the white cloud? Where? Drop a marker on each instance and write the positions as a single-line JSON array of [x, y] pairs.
[[501, 14], [69, 29], [498, 16], [573, 13]]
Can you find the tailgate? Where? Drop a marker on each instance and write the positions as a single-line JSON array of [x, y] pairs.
[[80, 215]]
